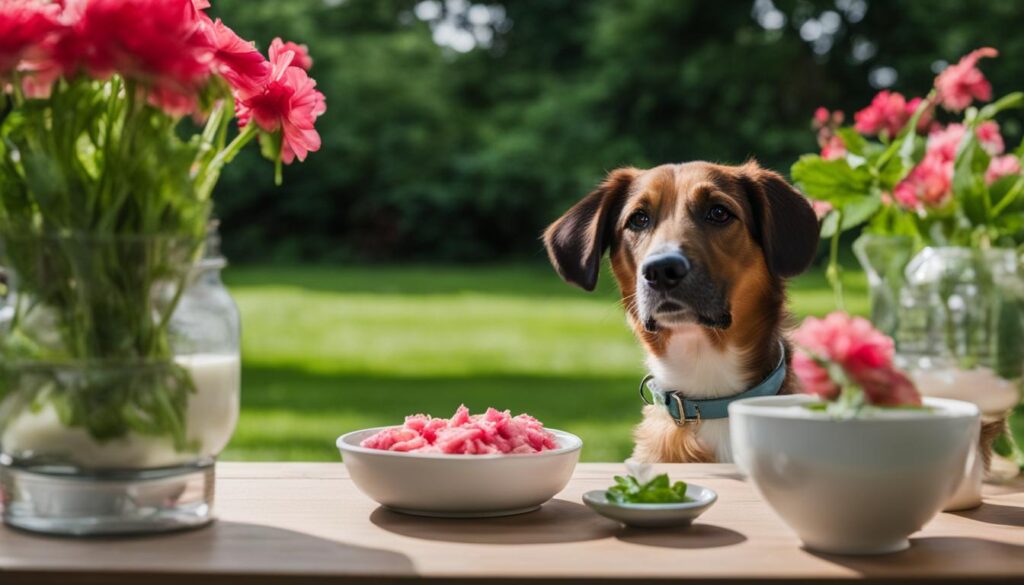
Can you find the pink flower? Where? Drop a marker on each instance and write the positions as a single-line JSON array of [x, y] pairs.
[[959, 85], [288, 102], [849, 341], [887, 112], [826, 123], [929, 184], [1000, 167], [886, 387], [890, 112], [38, 78], [24, 26], [821, 117], [821, 208], [157, 43], [833, 149], [236, 59], [814, 379], [301, 58], [990, 138], [864, 354], [944, 142]]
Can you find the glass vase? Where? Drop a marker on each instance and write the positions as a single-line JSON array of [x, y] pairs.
[[957, 317], [119, 382]]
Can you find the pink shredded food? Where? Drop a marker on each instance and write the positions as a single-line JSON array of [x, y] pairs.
[[494, 431]]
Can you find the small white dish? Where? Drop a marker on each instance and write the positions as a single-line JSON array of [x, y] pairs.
[[459, 486], [653, 515], [858, 486]]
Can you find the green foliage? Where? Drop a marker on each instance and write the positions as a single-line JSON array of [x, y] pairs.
[[627, 490], [833, 181], [430, 154]]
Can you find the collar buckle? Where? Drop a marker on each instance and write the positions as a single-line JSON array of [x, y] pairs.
[[684, 420]]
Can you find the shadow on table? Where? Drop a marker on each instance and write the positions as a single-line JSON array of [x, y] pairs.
[[692, 537], [224, 549], [733, 475], [556, 521], [995, 514], [950, 556]]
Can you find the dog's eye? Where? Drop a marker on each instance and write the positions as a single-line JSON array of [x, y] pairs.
[[638, 221], [719, 215]]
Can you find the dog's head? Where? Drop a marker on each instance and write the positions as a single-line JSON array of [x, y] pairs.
[[688, 242]]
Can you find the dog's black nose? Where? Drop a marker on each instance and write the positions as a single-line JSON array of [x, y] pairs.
[[664, 271]]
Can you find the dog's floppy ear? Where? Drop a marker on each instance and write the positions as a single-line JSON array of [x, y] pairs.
[[784, 222], [578, 239]]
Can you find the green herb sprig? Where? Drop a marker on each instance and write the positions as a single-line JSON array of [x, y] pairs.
[[628, 490]]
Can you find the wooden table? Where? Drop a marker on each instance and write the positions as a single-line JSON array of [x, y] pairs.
[[306, 523]]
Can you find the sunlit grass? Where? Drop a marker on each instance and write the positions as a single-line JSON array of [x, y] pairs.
[[328, 350]]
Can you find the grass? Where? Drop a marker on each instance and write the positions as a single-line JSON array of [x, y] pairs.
[[329, 350]]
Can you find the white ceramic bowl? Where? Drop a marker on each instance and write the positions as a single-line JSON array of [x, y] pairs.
[[859, 486], [460, 486]]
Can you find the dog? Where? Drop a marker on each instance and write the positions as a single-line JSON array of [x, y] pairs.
[[701, 253]]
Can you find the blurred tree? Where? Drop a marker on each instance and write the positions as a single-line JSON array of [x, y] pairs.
[[457, 130]]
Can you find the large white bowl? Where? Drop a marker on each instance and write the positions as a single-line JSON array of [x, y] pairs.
[[859, 486], [460, 486]]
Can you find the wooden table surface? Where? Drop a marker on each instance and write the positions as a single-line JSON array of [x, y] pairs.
[[306, 523]]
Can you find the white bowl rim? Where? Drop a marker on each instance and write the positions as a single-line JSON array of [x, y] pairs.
[[597, 497], [343, 443], [776, 407]]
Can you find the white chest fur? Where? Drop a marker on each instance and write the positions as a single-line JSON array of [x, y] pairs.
[[696, 368]]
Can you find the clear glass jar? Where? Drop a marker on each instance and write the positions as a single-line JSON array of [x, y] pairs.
[[119, 382], [961, 308], [957, 317]]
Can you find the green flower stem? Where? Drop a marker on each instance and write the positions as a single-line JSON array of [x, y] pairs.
[[213, 132], [1009, 199], [834, 272], [849, 403], [212, 172]]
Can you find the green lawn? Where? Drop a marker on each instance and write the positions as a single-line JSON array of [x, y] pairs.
[[328, 350]]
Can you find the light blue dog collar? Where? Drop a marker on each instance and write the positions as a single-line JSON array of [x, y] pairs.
[[687, 410]]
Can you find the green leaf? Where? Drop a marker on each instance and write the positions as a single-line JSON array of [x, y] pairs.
[[853, 215], [854, 142], [1007, 102], [968, 182], [833, 181], [1003, 446], [859, 212], [1005, 194], [829, 225], [627, 490]]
